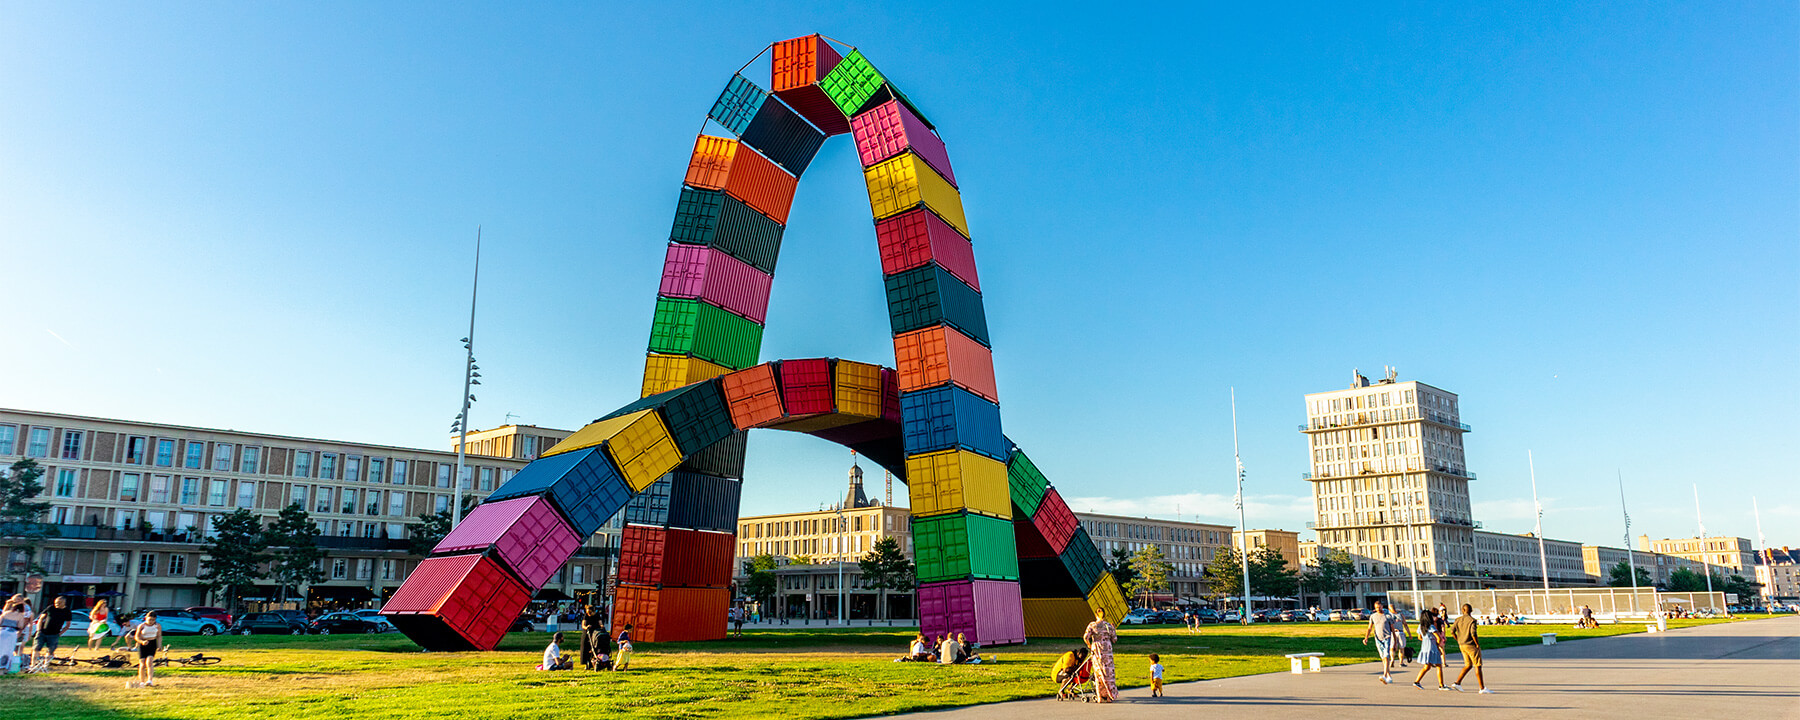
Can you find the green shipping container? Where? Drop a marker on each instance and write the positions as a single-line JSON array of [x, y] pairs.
[[692, 327], [852, 83], [1026, 482], [957, 547]]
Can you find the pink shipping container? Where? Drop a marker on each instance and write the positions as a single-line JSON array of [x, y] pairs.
[[914, 238], [527, 533], [1055, 521], [701, 271], [987, 611], [889, 129]]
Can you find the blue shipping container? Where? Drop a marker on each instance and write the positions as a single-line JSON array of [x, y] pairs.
[[949, 416], [583, 484]]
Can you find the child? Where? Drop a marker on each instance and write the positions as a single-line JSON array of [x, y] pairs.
[[1156, 671], [622, 661]]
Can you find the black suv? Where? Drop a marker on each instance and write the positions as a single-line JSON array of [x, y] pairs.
[[271, 622], [343, 622]]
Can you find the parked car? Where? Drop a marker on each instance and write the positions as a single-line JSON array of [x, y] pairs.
[[269, 623], [522, 624], [1140, 616], [1231, 616], [1292, 616], [78, 624], [175, 621], [1207, 615], [218, 614], [1355, 614], [343, 622], [375, 616], [1266, 616], [1171, 616]]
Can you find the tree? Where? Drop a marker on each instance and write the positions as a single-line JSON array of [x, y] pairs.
[[1621, 576], [431, 528], [294, 538], [761, 584], [1327, 574], [1224, 575], [1269, 574], [1120, 567], [1685, 580], [801, 560], [232, 559], [20, 516], [1150, 574], [1736, 584], [886, 568]]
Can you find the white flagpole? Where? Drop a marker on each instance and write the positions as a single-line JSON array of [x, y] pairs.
[[1630, 555], [469, 375], [1243, 530]]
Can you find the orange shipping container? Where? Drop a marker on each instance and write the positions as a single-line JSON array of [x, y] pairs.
[[671, 614], [753, 396], [796, 68], [936, 355], [724, 164]]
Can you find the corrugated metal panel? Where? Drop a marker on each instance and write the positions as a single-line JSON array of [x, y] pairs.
[[957, 481], [724, 458], [663, 373], [955, 547], [1027, 484], [710, 217], [937, 355], [672, 614], [852, 83], [469, 594], [696, 216], [984, 611], [697, 558], [806, 386], [723, 164], [710, 165], [905, 182], [1082, 559], [697, 417], [692, 327], [738, 104], [890, 129], [999, 619], [583, 483], [650, 507], [858, 388], [641, 555], [1054, 519], [703, 502], [919, 236], [753, 396], [527, 534], [781, 135], [1106, 596], [890, 395], [946, 417], [1056, 617], [927, 295], [537, 476], [710, 274], [797, 66]]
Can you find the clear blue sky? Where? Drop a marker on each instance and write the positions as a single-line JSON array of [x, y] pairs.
[[1582, 219]]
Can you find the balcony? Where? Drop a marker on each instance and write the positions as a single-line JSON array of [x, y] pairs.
[[1445, 469], [1362, 419]]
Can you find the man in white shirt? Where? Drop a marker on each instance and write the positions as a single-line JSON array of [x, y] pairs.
[[554, 659]]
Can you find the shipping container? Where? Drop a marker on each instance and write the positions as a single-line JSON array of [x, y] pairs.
[[984, 611], [919, 236], [857, 387], [890, 129], [884, 451], [941, 354], [796, 68], [1046, 577], [1054, 519], [906, 182], [724, 458], [782, 135], [1106, 596], [711, 274], [890, 395], [1082, 559], [641, 555], [1056, 617], [673, 557], [698, 501], [863, 432], [527, 534], [748, 176], [650, 507], [738, 103], [947, 417], [806, 386], [753, 395], [454, 603], [638, 444], [697, 417], [929, 295], [710, 165], [714, 219], [956, 481], [1026, 482], [693, 327], [963, 546], [663, 372], [584, 484], [852, 83], [1026, 537], [671, 614]]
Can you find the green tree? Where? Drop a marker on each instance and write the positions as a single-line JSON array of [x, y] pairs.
[[1120, 567], [886, 568], [1224, 575], [1270, 575], [760, 586], [1327, 574], [232, 559], [1744, 589], [1685, 580], [1621, 576], [21, 516], [1150, 574], [801, 560], [295, 557]]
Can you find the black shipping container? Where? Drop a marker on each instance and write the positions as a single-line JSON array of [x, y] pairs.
[[1083, 560], [724, 459], [927, 295], [697, 416], [1046, 578], [781, 135], [703, 502], [710, 217]]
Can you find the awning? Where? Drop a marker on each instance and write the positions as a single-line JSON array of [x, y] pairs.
[[551, 595], [339, 592]]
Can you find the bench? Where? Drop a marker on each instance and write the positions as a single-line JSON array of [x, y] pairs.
[[1549, 638], [1294, 660]]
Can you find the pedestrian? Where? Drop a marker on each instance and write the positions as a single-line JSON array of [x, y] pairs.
[[1100, 636], [1468, 642], [99, 626], [1398, 643], [12, 632], [1431, 647], [737, 620], [593, 636], [1383, 636], [149, 638], [29, 632], [1156, 673], [623, 660], [50, 629], [554, 659]]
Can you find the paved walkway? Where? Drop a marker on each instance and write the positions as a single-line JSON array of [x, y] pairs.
[[1738, 670]]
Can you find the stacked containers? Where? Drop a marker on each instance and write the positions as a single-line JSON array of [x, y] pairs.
[[459, 602], [767, 124], [986, 611], [798, 65]]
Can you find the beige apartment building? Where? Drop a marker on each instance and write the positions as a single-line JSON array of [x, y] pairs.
[[1733, 554], [1188, 546], [1779, 574], [1501, 556], [1286, 542], [1599, 560], [132, 502]]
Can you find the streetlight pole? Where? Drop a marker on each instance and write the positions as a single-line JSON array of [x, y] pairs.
[[1412, 560], [1704, 565], [842, 618], [1243, 529], [1630, 556], [1543, 559], [470, 378]]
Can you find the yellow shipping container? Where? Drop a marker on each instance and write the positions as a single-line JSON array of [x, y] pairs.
[[663, 373], [595, 433], [954, 480], [858, 389], [1056, 617], [899, 184], [1106, 596], [638, 443]]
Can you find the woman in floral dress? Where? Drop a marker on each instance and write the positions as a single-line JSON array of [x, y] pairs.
[[1100, 637]]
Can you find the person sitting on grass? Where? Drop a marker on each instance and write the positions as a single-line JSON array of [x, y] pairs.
[[554, 659], [917, 651], [970, 651], [948, 650]]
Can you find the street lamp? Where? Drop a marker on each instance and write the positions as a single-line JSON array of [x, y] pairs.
[[470, 379], [842, 618]]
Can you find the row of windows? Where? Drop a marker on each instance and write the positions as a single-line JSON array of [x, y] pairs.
[[1134, 531], [819, 526], [1364, 401]]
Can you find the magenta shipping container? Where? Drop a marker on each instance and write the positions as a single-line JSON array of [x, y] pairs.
[[919, 236], [527, 533], [889, 129], [700, 271], [987, 611]]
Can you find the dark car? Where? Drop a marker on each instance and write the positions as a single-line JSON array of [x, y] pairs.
[[269, 623], [218, 614], [1293, 616], [522, 624], [1266, 616], [1172, 616], [343, 622], [1207, 615]]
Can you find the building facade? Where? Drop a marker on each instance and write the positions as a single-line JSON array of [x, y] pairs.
[[1599, 561], [1725, 555], [1286, 542], [1187, 546], [1779, 574], [1501, 556]]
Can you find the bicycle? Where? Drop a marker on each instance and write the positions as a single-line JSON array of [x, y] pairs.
[[197, 659]]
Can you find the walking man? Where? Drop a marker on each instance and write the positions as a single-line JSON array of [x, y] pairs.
[[1379, 630], [1469, 644]]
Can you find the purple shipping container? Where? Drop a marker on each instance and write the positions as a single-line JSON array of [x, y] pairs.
[[889, 129], [987, 611], [700, 271], [527, 533]]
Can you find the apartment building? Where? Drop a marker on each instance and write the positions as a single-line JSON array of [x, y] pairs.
[[1188, 546], [1599, 560], [1733, 555], [1502, 556], [1779, 574], [1286, 542]]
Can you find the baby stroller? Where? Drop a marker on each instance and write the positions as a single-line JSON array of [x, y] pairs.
[[1077, 682]]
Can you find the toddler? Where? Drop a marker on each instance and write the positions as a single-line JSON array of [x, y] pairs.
[[1156, 672]]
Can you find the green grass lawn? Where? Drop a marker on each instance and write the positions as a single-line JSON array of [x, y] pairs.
[[788, 673]]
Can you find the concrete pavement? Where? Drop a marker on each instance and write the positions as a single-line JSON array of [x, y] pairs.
[[1746, 669]]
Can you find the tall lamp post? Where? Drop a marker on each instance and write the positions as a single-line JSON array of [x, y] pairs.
[[842, 618], [1630, 556], [1543, 559], [470, 378], [1704, 565], [1243, 530]]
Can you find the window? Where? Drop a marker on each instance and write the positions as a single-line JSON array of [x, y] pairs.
[[215, 493], [196, 452], [368, 532], [53, 561], [115, 563], [65, 482], [324, 500], [443, 475], [443, 503], [135, 447], [177, 565], [578, 573], [364, 566], [396, 503], [147, 564], [128, 487], [246, 497], [252, 459], [339, 568], [159, 488], [59, 516], [9, 434], [377, 467], [222, 453], [372, 499], [468, 473], [37, 443], [71, 445], [387, 569], [487, 478], [303, 464], [346, 528], [505, 475], [328, 466], [349, 501], [165, 453], [297, 495], [399, 472], [352, 467]]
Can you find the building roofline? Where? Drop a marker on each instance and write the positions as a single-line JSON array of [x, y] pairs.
[[269, 436]]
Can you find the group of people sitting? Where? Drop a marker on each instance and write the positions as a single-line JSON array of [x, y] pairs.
[[599, 649], [948, 650]]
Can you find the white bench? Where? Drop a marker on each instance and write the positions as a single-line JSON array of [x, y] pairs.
[[1294, 661], [1549, 638]]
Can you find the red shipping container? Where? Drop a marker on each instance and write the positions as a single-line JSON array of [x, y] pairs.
[[753, 395], [936, 355], [697, 558], [797, 65], [725, 164], [890, 395], [919, 236], [987, 611], [460, 602], [641, 555], [704, 272], [671, 614], [1029, 541], [1055, 520], [806, 386], [890, 129], [527, 533]]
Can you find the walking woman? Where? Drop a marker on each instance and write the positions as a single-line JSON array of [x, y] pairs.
[[98, 626], [12, 633], [149, 638], [1100, 637], [1431, 647]]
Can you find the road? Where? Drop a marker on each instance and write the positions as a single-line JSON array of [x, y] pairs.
[[1745, 669]]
